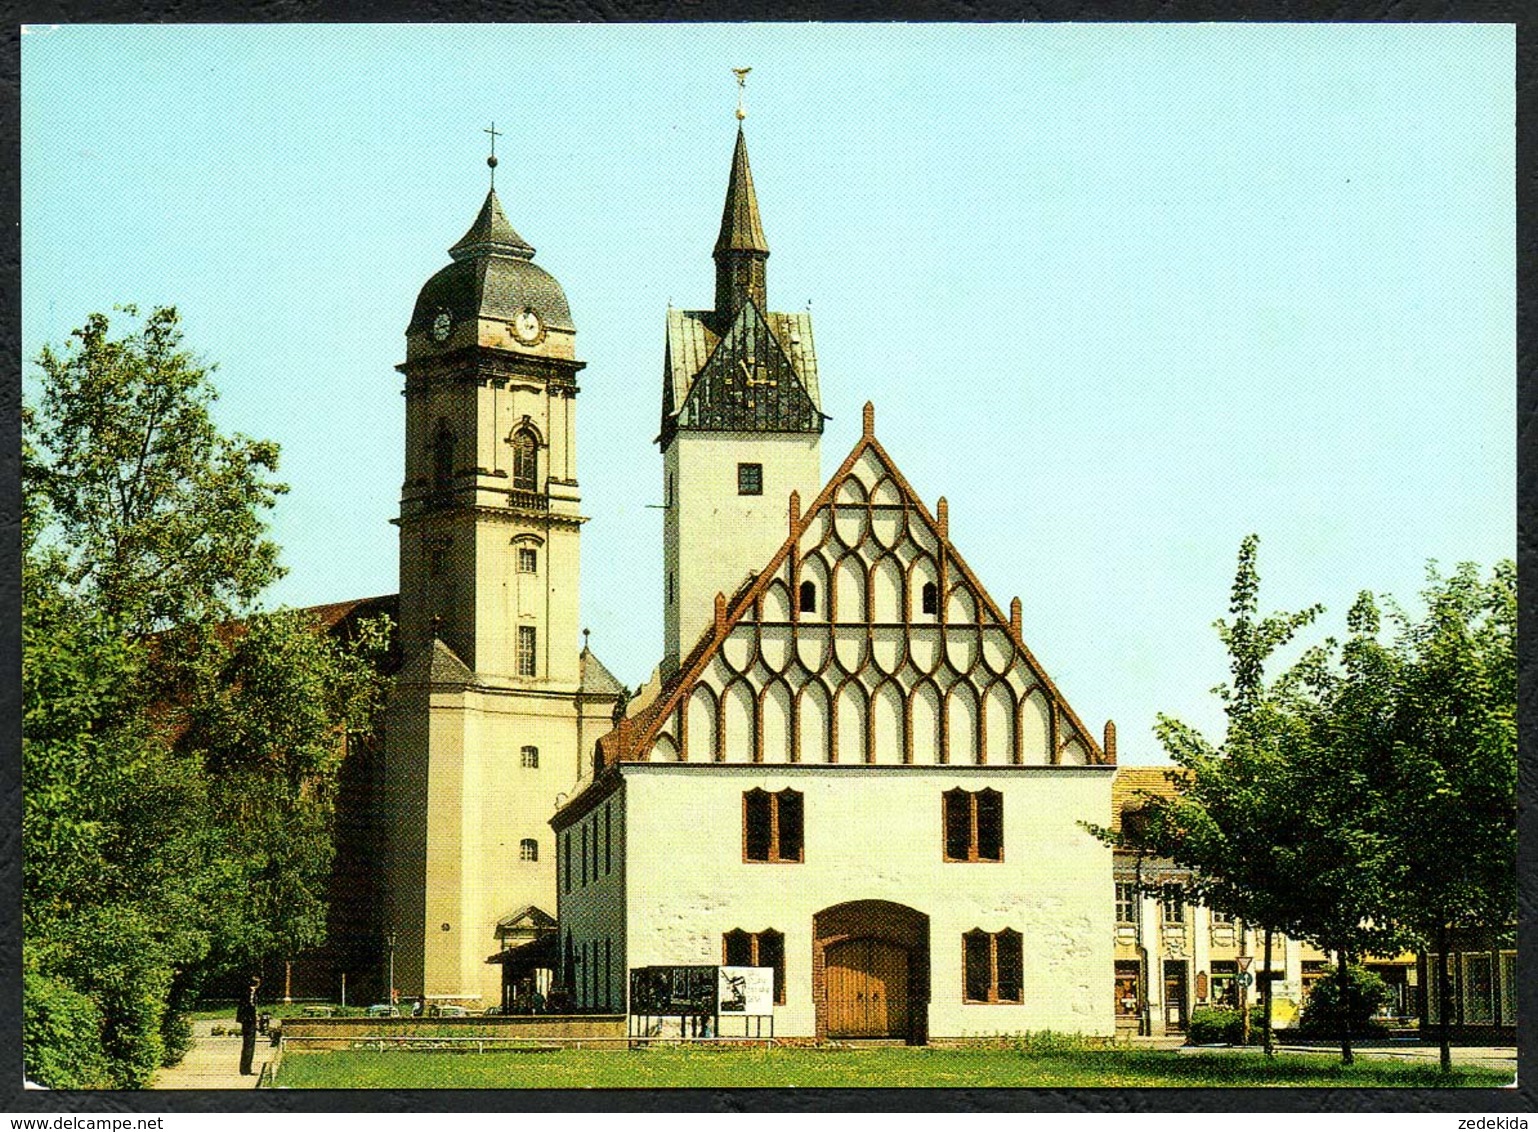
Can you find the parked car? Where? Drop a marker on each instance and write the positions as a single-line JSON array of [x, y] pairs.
[[384, 1010], [453, 1012]]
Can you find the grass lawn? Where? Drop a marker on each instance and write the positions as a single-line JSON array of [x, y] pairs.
[[668, 1068]]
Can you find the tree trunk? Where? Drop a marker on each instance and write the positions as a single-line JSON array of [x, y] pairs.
[[1444, 1001], [1345, 1010], [1267, 1037]]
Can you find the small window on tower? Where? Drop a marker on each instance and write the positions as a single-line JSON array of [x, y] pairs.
[[526, 650], [528, 560], [528, 849], [750, 479], [529, 757]]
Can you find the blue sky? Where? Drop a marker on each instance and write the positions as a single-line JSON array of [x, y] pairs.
[[1123, 294]]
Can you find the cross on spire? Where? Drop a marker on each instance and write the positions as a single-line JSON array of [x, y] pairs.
[[491, 161], [742, 87]]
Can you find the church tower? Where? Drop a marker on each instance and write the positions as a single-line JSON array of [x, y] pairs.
[[494, 700], [741, 425]]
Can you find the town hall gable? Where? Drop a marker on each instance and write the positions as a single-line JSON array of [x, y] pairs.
[[865, 639]]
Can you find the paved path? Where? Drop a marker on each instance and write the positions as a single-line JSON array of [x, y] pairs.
[[214, 1062]]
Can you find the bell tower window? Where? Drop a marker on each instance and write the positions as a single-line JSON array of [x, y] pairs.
[[525, 463]]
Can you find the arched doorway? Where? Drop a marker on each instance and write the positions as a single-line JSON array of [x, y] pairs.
[[870, 971]]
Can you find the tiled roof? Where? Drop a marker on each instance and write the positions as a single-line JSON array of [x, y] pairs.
[[1135, 784]]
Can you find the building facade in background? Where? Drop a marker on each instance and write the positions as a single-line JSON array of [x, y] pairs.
[[1173, 957]]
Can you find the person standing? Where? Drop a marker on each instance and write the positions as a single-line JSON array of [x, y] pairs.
[[245, 1014]]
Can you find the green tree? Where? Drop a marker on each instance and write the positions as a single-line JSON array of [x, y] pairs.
[[1286, 825], [1453, 793], [179, 764], [274, 711], [1230, 820], [159, 515], [1337, 766]]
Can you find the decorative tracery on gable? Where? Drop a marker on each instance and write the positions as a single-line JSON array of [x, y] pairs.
[[860, 668]]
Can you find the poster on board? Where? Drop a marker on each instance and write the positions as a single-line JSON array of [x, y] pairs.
[[746, 990]]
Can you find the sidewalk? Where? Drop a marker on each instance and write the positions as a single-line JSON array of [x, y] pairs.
[[214, 1062]]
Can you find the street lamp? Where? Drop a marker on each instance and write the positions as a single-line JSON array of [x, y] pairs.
[[390, 987]]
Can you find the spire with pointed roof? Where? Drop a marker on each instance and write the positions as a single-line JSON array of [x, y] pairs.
[[740, 247], [491, 233]]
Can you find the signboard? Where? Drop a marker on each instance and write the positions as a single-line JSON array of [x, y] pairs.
[[1245, 978], [746, 990], [673, 990]]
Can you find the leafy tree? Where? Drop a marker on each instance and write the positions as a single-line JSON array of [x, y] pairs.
[[178, 766], [272, 716], [1455, 762], [117, 864], [1337, 765], [1231, 817], [159, 515], [1290, 823]]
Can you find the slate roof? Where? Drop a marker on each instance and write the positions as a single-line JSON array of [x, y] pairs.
[[491, 232], [595, 679], [742, 229], [692, 342], [493, 276]]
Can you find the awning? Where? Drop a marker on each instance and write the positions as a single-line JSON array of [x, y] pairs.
[[542, 952]]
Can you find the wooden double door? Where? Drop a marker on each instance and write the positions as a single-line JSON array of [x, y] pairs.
[[867, 989]]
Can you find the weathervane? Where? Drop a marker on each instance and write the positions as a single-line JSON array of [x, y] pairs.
[[742, 86], [491, 161]]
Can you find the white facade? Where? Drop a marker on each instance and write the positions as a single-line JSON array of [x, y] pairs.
[[871, 834], [714, 535]]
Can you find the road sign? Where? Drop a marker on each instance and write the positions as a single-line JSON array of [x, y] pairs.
[[1244, 962], [1245, 978]]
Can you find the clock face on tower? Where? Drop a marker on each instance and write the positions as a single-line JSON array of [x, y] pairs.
[[527, 327], [443, 322]]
